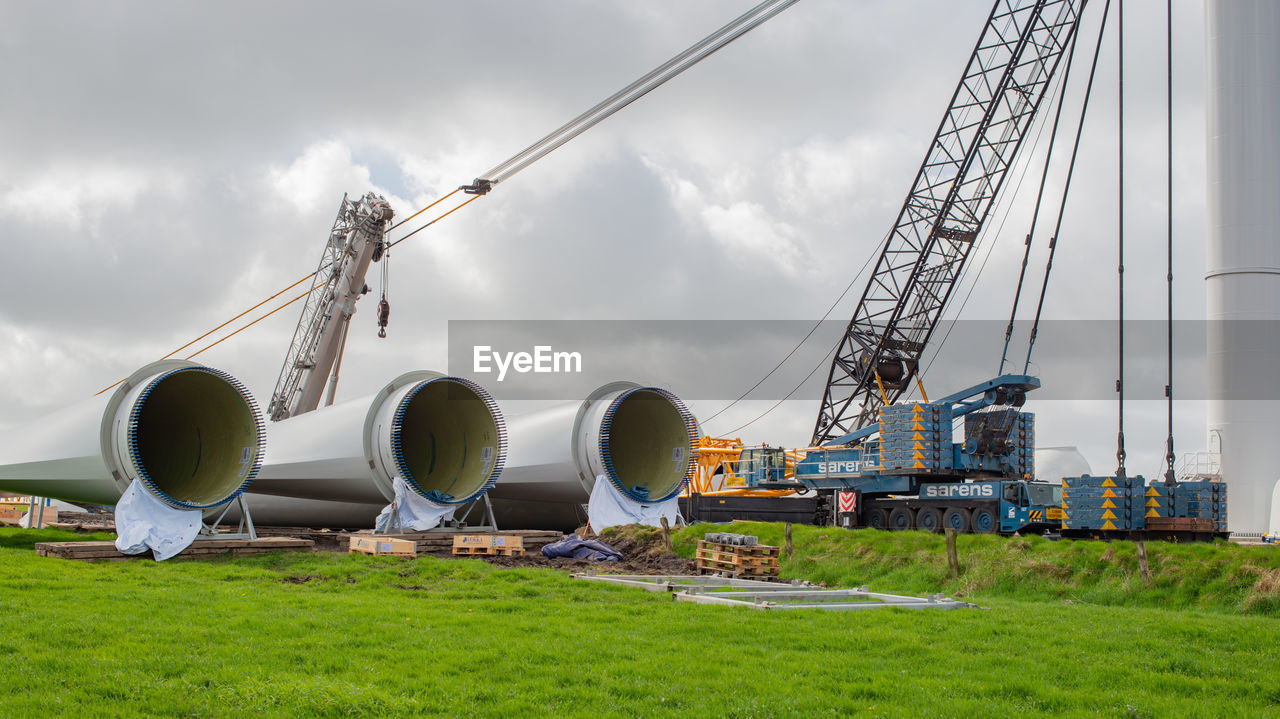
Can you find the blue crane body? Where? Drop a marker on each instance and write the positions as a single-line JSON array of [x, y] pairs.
[[906, 471]]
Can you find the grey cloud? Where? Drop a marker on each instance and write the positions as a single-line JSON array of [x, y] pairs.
[[205, 99]]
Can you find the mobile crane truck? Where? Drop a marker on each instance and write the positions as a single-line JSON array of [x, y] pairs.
[[906, 472]]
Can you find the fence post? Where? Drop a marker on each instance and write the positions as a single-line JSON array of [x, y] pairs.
[[953, 559]]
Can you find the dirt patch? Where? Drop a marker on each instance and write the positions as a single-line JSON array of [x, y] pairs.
[[299, 579], [1053, 571]]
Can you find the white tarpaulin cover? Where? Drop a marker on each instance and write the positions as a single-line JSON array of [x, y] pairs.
[[415, 512], [144, 522], [609, 508]]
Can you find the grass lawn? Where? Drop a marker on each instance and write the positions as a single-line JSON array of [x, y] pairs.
[[351, 635]]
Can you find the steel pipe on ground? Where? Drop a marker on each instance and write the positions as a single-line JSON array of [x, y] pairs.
[[639, 438], [191, 434], [444, 436]]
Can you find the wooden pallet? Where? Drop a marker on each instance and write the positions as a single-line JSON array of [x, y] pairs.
[[377, 545], [760, 560], [440, 543], [1180, 524], [488, 544], [93, 551], [488, 552]]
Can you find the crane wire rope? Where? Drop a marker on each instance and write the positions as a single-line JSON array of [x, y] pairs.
[[1005, 216], [795, 389], [1066, 190], [636, 90], [1120, 452], [1061, 209], [1169, 478], [1035, 214], [804, 339], [989, 237], [242, 328], [1007, 208], [693, 55]]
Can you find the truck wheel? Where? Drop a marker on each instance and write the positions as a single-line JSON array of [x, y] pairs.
[[984, 521], [929, 519], [878, 518], [901, 518], [956, 518]]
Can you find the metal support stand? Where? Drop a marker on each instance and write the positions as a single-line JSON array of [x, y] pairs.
[[486, 515], [393, 522], [489, 523], [245, 530]]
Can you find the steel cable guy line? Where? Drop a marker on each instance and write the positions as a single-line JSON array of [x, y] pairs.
[[1169, 478], [690, 57], [1066, 189], [441, 217], [1035, 214], [1061, 83], [629, 94], [256, 321], [224, 324], [282, 292], [1120, 453], [795, 389], [1004, 206], [822, 362], [804, 339]]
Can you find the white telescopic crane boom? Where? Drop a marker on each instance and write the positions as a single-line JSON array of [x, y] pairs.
[[358, 238]]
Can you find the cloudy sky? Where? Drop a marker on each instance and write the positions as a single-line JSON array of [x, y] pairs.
[[167, 165]]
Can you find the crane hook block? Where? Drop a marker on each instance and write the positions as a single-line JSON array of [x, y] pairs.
[[384, 316]]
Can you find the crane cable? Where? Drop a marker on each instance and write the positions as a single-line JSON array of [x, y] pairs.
[[1035, 214], [990, 236], [1169, 478], [823, 361], [274, 296], [693, 55], [1066, 189], [1120, 452], [799, 344], [629, 94]]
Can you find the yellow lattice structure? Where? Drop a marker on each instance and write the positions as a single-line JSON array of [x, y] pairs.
[[714, 454], [716, 470]]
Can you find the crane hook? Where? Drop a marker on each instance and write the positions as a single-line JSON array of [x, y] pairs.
[[384, 316]]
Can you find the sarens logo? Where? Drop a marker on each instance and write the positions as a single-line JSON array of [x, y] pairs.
[[848, 465], [944, 491]]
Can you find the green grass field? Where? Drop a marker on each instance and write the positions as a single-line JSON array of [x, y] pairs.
[[339, 635]]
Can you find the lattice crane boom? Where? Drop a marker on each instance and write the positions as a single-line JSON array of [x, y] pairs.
[[990, 113], [357, 239]]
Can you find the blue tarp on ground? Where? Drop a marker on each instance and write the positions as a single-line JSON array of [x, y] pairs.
[[575, 547]]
